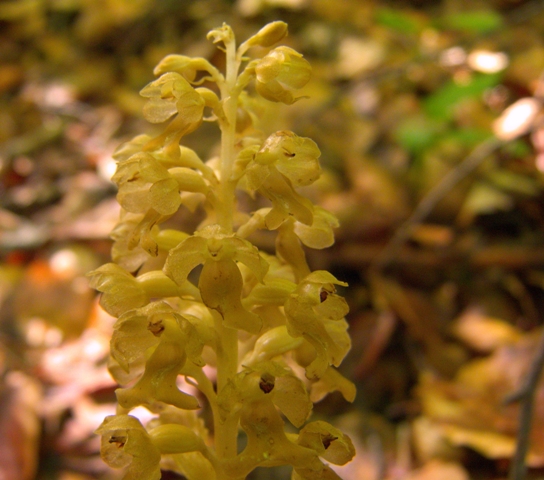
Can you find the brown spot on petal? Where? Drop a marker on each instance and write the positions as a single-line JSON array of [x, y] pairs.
[[267, 383], [119, 440], [327, 440], [156, 328]]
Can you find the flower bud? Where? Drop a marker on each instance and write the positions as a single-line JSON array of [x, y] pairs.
[[270, 344], [268, 35], [174, 438], [188, 180], [221, 34], [181, 64], [157, 284]]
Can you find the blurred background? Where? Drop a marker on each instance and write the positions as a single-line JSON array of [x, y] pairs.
[[429, 118]]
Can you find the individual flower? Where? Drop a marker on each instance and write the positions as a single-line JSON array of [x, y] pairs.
[[138, 330], [144, 184], [167, 96], [149, 194], [329, 442], [320, 233], [281, 386], [212, 243], [136, 176], [125, 443], [257, 394], [220, 281], [132, 257], [267, 442], [315, 312], [120, 290], [283, 162], [158, 382], [297, 158], [281, 72]]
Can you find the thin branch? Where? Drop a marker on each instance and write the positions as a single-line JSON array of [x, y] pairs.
[[437, 193], [526, 395]]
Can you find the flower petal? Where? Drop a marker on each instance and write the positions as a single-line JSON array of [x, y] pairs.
[[221, 285], [184, 258], [126, 443], [329, 442], [120, 290]]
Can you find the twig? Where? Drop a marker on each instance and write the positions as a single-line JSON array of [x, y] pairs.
[[526, 395], [437, 193]]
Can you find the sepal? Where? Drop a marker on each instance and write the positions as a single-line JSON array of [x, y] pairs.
[[125, 443], [281, 72]]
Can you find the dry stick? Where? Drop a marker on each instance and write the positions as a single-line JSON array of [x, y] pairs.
[[518, 467], [437, 193], [526, 395]]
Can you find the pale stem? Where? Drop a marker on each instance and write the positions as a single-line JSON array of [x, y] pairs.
[[228, 130], [226, 433]]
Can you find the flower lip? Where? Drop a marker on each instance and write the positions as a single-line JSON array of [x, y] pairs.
[[281, 72]]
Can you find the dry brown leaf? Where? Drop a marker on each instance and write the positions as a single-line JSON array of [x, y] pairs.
[[484, 333], [471, 410], [436, 469], [19, 427]]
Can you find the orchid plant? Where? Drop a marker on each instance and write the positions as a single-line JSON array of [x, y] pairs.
[[271, 330]]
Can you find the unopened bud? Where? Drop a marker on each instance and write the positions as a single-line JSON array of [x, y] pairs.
[[174, 438], [269, 35]]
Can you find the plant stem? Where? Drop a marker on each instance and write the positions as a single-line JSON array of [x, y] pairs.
[[226, 432], [228, 130]]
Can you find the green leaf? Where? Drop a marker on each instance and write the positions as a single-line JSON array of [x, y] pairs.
[[477, 21], [398, 20], [484, 198], [517, 148], [514, 182], [416, 133], [440, 104], [469, 137]]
